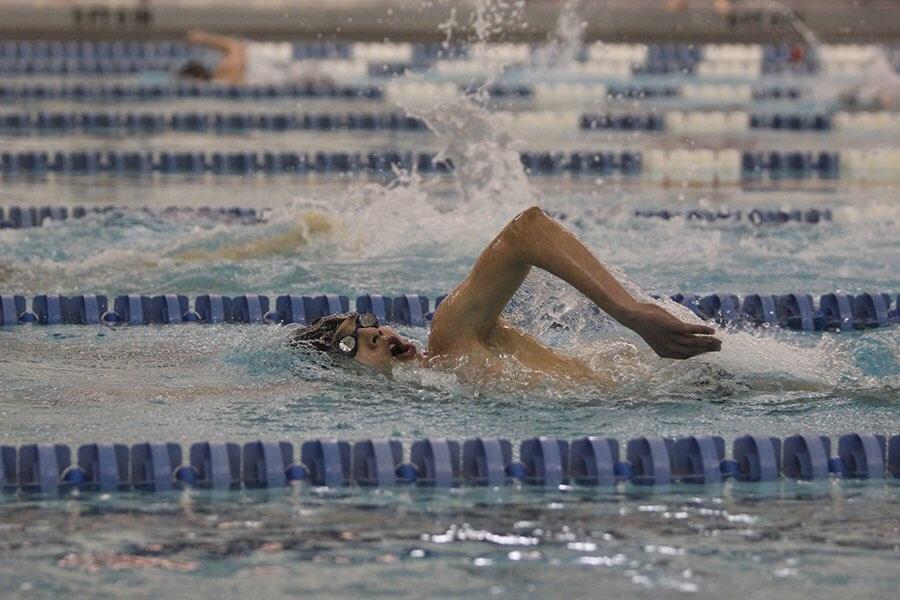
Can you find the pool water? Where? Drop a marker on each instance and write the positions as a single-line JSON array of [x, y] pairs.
[[73, 385]]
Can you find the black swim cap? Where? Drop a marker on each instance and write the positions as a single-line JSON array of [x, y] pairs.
[[320, 334], [194, 69]]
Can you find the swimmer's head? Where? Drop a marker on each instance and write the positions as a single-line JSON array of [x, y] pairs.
[[194, 69], [358, 337]]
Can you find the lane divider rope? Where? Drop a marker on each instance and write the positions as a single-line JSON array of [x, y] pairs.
[[48, 468], [833, 312]]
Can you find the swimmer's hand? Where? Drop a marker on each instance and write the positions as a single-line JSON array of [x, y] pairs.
[[197, 36], [667, 335]]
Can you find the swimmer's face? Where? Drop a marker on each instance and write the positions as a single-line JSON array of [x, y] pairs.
[[377, 347]]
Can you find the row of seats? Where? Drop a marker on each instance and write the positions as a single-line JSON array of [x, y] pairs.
[[693, 165], [57, 123], [137, 309], [147, 92], [756, 216], [19, 217], [835, 312], [49, 468]]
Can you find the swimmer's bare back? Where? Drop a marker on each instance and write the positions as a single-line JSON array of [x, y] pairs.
[[468, 323], [232, 67]]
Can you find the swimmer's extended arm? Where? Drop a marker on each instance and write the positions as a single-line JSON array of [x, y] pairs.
[[233, 65], [534, 239]]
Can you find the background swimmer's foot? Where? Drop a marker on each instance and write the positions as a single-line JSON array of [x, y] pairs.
[[311, 224]]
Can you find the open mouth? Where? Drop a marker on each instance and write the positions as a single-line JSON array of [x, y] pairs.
[[401, 350]]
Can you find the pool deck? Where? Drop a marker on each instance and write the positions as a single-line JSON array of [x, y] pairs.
[[835, 21]]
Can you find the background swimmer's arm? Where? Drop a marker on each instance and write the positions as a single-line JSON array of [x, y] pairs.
[[233, 65], [534, 239]]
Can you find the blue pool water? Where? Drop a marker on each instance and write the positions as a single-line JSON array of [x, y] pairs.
[[75, 384]]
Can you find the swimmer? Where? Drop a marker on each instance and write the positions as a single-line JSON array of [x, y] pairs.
[[875, 87], [468, 333], [244, 62]]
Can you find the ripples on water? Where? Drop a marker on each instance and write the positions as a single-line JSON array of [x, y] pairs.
[[78, 384]]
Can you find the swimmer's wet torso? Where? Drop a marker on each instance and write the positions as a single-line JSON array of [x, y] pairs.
[[468, 334]]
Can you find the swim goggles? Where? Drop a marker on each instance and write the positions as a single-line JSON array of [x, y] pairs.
[[349, 344]]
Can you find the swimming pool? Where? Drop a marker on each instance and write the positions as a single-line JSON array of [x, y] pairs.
[[354, 234]]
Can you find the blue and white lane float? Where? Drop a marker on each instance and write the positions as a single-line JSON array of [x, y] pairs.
[[833, 312], [701, 166], [58, 123], [537, 94], [24, 217], [747, 61], [549, 462], [673, 167]]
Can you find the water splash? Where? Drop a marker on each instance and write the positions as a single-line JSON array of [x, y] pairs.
[[566, 42]]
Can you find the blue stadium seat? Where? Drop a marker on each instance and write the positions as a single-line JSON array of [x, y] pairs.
[[11, 309]]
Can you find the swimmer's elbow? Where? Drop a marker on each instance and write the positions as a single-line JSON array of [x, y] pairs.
[[530, 219]]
